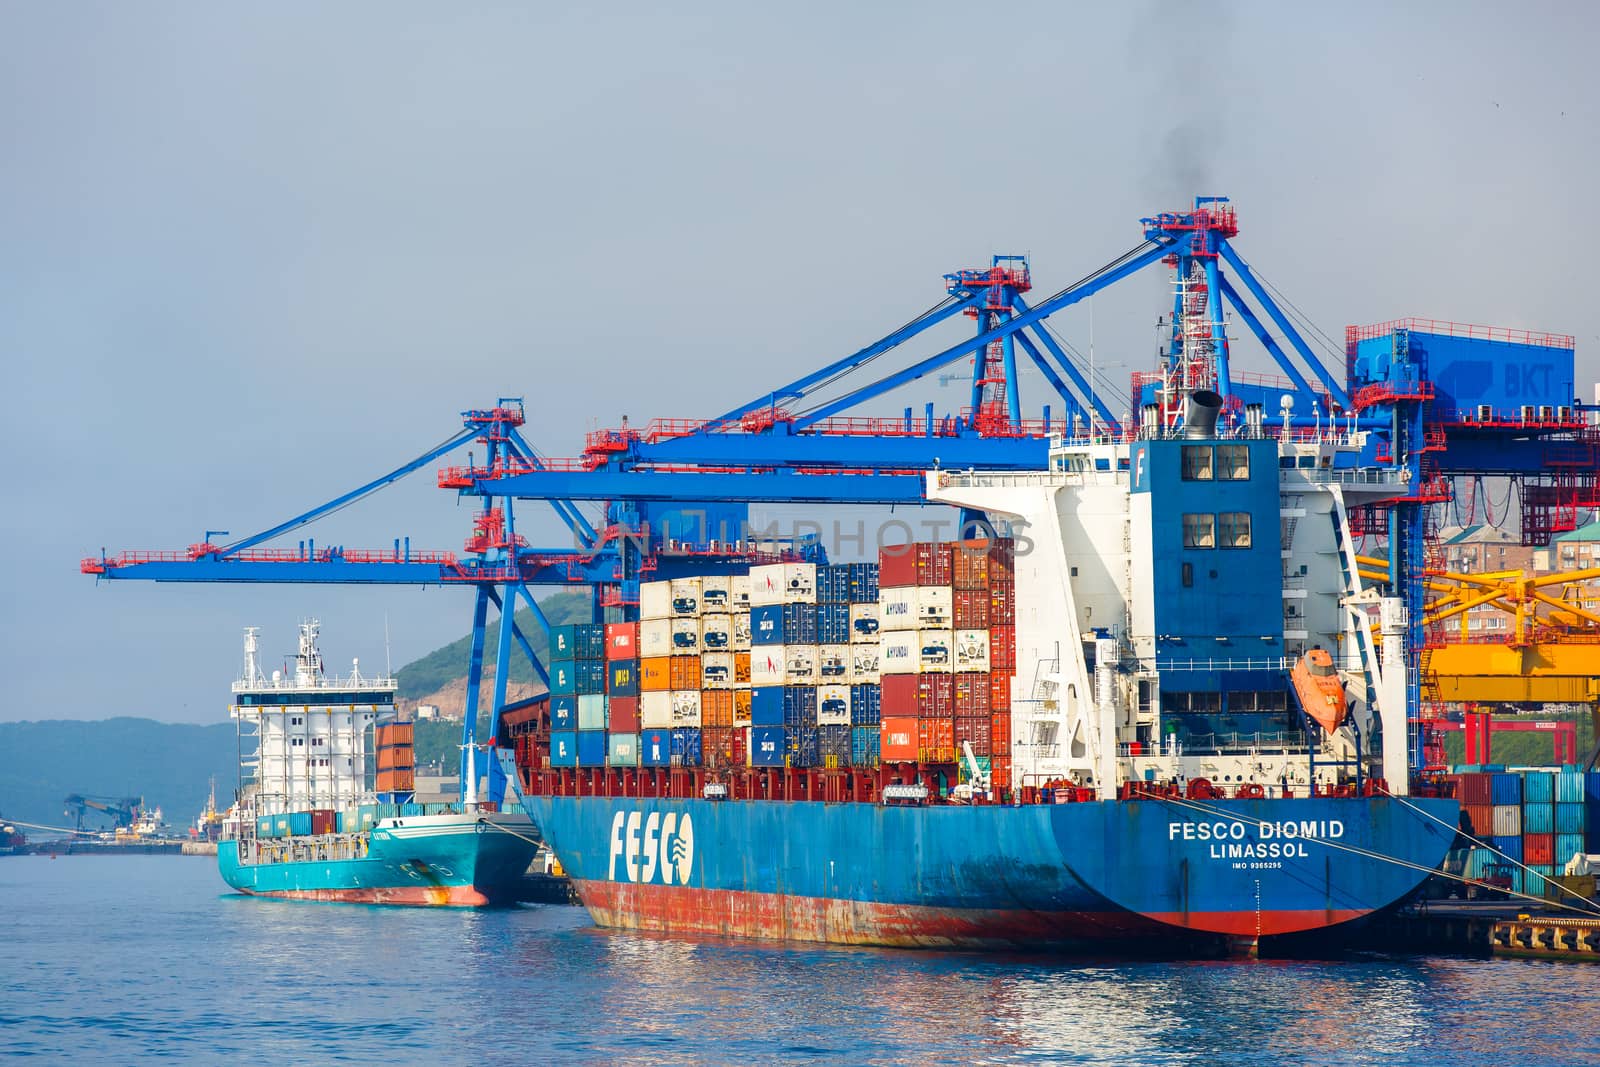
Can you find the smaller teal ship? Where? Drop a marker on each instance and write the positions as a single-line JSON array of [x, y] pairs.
[[316, 820]]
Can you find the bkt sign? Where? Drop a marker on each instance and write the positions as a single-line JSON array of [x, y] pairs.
[[656, 847]]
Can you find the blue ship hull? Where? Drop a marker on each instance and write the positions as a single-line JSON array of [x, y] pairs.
[[460, 862], [1029, 876]]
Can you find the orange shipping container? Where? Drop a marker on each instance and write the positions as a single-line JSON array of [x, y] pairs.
[[395, 781], [716, 708], [999, 692], [897, 740], [936, 741], [741, 668], [396, 758], [685, 672], [1000, 772], [655, 674], [741, 707]]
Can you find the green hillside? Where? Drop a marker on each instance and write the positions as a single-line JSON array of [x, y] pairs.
[[1524, 749], [169, 764], [444, 665]]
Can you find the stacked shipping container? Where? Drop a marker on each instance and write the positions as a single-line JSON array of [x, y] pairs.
[[948, 652], [1536, 819]]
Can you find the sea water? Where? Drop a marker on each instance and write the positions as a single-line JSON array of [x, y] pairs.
[[128, 959]]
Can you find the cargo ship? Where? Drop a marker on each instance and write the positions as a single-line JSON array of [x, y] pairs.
[[1082, 726], [315, 821]]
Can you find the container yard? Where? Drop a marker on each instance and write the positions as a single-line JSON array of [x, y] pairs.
[[1179, 682]]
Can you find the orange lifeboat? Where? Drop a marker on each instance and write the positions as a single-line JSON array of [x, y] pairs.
[[1317, 684]]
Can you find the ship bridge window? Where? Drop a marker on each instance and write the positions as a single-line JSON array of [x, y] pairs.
[[1197, 466], [1233, 463], [1233, 529], [1199, 531]]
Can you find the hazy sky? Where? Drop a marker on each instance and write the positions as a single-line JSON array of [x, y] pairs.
[[253, 256]]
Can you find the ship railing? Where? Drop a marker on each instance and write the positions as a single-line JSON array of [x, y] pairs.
[[1279, 743], [1386, 477], [1052, 479], [1214, 663]]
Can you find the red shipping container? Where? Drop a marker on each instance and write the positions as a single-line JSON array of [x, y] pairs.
[[971, 609], [897, 566], [935, 564], [975, 730], [899, 695], [1002, 648], [717, 745], [1000, 692], [1482, 816], [1000, 733], [971, 566], [323, 821], [1473, 789], [622, 640], [971, 695], [897, 740], [936, 741], [624, 715], [1000, 772], [1002, 607], [1538, 848]]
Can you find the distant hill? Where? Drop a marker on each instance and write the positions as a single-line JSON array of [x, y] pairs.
[[169, 764]]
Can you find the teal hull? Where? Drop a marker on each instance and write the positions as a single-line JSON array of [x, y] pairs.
[[464, 863]]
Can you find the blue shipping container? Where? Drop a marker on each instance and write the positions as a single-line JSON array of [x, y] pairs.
[[564, 643], [591, 679], [1569, 787], [410, 811], [686, 746], [1539, 819], [866, 705], [1591, 785], [1509, 846], [1569, 818], [264, 826], [801, 746], [863, 583], [563, 678], [783, 624], [655, 748], [564, 747], [833, 624], [563, 712], [591, 748], [622, 678], [783, 705], [833, 744], [767, 746], [865, 745], [300, 823], [833, 584], [1566, 846], [1506, 789], [1538, 787]]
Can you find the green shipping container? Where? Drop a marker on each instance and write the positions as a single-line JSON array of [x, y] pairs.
[[622, 750]]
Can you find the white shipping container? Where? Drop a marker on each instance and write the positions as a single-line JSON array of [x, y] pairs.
[[741, 630], [800, 664], [686, 707], [716, 594], [897, 608], [685, 637], [655, 638], [716, 633], [1508, 820], [833, 663], [972, 650], [935, 650], [766, 665], [685, 597], [833, 705], [783, 583], [863, 624], [716, 670], [739, 593], [592, 712], [655, 710], [655, 601], [935, 607], [864, 664], [899, 652]]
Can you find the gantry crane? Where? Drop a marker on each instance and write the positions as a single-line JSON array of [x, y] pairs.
[[675, 494]]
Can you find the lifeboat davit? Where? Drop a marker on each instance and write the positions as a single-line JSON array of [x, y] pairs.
[[1317, 684]]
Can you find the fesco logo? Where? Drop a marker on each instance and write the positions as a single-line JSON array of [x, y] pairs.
[[658, 847]]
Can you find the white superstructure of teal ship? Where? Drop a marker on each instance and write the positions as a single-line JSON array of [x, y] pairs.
[[309, 825]]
